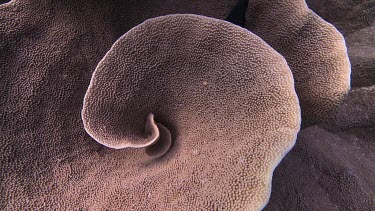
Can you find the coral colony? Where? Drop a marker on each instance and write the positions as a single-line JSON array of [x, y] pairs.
[[185, 105]]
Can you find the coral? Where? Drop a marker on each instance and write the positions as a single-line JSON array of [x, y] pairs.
[[227, 98], [314, 50]]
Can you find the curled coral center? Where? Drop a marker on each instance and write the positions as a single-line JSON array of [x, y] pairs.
[[160, 138]]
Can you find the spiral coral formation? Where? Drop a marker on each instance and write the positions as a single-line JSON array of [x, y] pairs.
[[226, 97]]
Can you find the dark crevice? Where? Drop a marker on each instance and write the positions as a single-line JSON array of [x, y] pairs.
[[238, 12]]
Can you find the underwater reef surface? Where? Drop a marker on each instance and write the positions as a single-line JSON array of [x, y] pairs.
[[48, 52], [327, 170]]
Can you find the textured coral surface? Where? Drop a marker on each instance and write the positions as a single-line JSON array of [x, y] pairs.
[[227, 97], [48, 52]]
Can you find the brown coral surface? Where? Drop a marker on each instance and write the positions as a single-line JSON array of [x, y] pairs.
[[314, 49], [343, 180], [227, 97], [48, 52], [356, 20]]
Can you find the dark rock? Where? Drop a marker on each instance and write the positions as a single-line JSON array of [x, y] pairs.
[[327, 171], [347, 15], [361, 50], [356, 110]]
